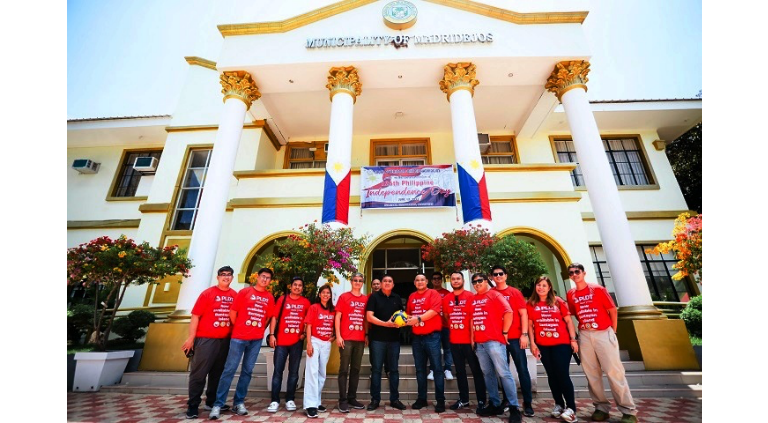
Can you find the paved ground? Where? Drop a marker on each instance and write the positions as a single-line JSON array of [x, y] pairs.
[[125, 408]]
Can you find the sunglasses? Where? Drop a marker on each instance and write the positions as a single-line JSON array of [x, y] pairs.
[[574, 272], [477, 281], [498, 274]]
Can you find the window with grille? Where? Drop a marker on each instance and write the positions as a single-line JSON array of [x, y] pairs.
[[625, 157], [127, 179], [411, 152], [191, 190], [501, 151], [305, 155], [658, 274]]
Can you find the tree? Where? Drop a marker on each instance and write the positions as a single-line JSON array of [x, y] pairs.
[[685, 156], [114, 265]]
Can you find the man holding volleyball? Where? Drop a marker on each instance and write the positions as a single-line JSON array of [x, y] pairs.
[[384, 341]]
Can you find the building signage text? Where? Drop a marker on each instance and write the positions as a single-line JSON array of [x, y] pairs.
[[400, 40]]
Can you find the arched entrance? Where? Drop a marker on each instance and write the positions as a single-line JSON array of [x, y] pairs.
[[397, 253], [263, 247], [554, 255]]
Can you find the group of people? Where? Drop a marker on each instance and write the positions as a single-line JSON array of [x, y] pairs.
[[482, 330]]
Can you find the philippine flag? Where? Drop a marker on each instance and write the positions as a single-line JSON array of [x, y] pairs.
[[338, 171], [474, 193]]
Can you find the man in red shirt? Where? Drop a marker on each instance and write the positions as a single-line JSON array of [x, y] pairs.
[[351, 332], [287, 339], [209, 330], [424, 307], [491, 320], [457, 313], [250, 314], [598, 346], [517, 341], [445, 334]]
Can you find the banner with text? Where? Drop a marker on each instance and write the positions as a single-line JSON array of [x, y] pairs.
[[407, 186]]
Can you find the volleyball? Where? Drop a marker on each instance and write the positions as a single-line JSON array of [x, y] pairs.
[[399, 317]]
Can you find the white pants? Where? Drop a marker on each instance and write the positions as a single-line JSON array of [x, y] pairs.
[[314, 372]]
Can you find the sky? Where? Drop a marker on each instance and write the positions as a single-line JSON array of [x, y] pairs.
[[126, 58]]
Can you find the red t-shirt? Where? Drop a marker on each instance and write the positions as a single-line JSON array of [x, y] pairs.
[[418, 304], [550, 327], [321, 321], [213, 308], [442, 291], [590, 306], [254, 309], [352, 309], [459, 316], [291, 324], [488, 316], [516, 300]]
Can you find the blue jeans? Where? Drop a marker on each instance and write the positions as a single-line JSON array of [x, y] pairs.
[[249, 352], [427, 346], [493, 361], [380, 353], [445, 339], [291, 353], [521, 365]]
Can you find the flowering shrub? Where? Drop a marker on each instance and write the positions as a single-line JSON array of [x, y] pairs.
[[686, 244], [476, 250], [114, 265], [317, 251]]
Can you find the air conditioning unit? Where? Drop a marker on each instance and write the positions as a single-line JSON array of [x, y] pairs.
[[145, 164], [85, 166], [485, 142]]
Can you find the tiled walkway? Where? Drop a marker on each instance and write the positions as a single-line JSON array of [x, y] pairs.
[[125, 408]]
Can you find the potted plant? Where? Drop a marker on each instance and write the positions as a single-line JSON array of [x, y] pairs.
[[113, 265], [317, 251]]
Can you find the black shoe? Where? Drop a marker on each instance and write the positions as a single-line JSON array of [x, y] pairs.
[[505, 406], [373, 405], [419, 404], [356, 404], [322, 409], [440, 407], [191, 413], [343, 407], [397, 404], [480, 406], [311, 412], [527, 409], [491, 410], [458, 404], [514, 415]]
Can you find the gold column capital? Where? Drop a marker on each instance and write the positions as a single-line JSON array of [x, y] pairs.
[[344, 79], [239, 85], [567, 76], [458, 76]]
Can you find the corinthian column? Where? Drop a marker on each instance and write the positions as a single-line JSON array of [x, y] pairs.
[[344, 86], [458, 84], [239, 93], [568, 81]]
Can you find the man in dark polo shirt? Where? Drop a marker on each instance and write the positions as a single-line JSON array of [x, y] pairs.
[[384, 342]]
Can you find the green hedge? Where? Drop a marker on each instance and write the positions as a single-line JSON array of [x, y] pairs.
[[692, 316]]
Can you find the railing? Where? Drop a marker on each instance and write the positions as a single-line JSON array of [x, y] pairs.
[[671, 309]]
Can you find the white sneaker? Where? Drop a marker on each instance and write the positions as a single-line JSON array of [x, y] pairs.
[[273, 406], [215, 413], [569, 415], [557, 411], [431, 375], [240, 410], [290, 406], [448, 375]]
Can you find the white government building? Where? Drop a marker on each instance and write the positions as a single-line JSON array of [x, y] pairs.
[[311, 99]]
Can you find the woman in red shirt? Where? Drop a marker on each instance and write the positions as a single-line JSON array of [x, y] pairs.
[[553, 341], [320, 335]]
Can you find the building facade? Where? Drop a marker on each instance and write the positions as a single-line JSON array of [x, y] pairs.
[[311, 98]]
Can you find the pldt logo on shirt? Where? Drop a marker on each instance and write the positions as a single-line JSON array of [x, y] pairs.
[[294, 306], [325, 316], [355, 304], [587, 297], [222, 298], [259, 299], [419, 301], [480, 302]]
